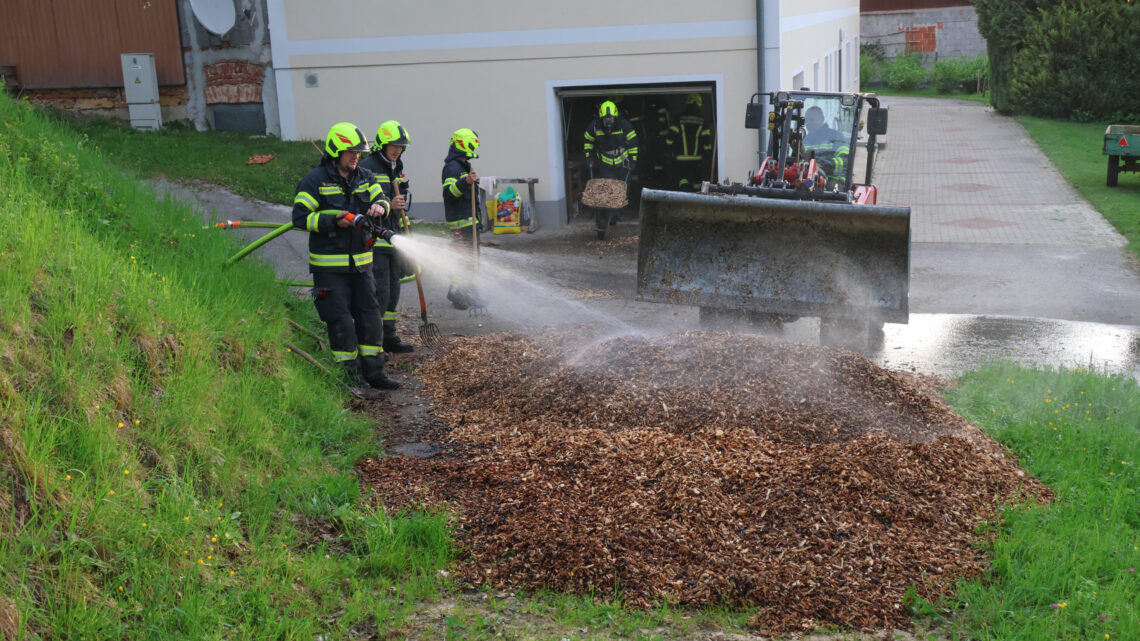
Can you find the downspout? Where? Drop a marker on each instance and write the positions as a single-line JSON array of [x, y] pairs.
[[762, 132]]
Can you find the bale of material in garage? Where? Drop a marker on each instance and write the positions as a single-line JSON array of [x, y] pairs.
[[606, 193], [705, 468]]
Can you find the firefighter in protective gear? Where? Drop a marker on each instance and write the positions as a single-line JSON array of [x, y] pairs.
[[688, 146], [610, 144], [459, 183], [332, 201], [831, 149], [387, 164]]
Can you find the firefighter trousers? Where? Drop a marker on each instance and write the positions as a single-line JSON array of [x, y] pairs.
[[386, 271], [346, 302]]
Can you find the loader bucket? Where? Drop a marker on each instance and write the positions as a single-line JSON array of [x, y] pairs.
[[794, 257]]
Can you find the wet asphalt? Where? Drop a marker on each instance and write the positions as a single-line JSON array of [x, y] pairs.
[[1007, 260]]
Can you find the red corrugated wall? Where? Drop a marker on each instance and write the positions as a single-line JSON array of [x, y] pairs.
[[76, 43]]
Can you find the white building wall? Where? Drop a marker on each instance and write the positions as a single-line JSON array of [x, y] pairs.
[[819, 30], [441, 65]]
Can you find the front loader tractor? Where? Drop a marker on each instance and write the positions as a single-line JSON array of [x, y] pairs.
[[803, 237]]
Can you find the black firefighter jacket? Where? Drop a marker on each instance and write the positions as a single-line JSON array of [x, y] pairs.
[[388, 175], [321, 196], [456, 191]]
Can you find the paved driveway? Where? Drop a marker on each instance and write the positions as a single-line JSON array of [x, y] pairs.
[[995, 228]]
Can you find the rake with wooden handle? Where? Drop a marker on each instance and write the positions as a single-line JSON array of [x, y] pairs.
[[430, 337]]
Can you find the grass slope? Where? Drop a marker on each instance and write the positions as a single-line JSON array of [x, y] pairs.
[[167, 468]]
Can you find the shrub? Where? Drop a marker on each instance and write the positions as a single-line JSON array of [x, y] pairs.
[[951, 75], [905, 72], [871, 56], [868, 71], [947, 75], [1056, 59]]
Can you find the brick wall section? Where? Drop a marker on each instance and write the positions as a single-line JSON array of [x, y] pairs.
[[955, 31], [921, 39], [233, 82]]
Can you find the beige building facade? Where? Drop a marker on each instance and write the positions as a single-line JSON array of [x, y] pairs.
[[527, 75]]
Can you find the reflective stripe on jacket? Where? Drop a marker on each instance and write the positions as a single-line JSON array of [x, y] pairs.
[[611, 147], [378, 164], [321, 196], [456, 191]]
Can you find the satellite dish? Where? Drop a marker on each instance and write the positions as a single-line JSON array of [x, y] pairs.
[[217, 16]]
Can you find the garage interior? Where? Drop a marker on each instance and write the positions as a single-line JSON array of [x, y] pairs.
[[651, 108]]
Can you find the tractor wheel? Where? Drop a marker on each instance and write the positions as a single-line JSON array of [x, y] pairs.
[[1113, 170]]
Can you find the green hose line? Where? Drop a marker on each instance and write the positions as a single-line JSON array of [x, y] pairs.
[[281, 229], [236, 224]]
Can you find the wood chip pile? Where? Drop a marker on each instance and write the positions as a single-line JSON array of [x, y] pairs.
[[607, 193], [704, 468]]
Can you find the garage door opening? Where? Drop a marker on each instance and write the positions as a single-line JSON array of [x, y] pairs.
[[676, 131]]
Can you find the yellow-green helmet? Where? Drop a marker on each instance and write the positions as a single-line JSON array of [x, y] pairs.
[[608, 108], [467, 141], [345, 136], [392, 133]]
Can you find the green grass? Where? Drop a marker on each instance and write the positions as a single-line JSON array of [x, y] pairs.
[[1069, 570], [181, 153], [167, 468], [1075, 149]]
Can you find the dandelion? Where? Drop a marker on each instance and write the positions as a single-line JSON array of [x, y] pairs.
[[136, 421], [185, 518], [144, 524], [200, 561], [120, 588], [126, 472], [120, 423], [67, 478], [231, 572], [213, 539], [110, 492]]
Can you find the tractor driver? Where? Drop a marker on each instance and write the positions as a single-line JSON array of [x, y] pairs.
[[831, 148]]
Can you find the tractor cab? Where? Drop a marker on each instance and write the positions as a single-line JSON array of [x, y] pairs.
[[812, 144]]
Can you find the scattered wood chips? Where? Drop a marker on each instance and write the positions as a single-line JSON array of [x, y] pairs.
[[607, 193], [705, 468]]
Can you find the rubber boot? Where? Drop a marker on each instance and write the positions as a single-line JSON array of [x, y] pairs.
[[458, 297], [357, 385], [392, 342], [380, 380]]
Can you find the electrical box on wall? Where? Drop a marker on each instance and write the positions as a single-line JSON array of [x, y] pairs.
[[140, 86]]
